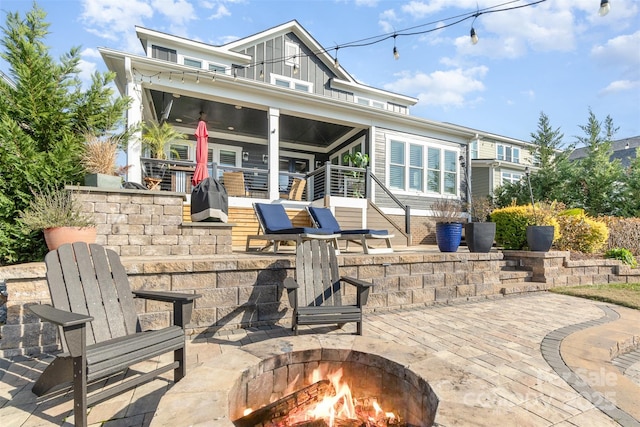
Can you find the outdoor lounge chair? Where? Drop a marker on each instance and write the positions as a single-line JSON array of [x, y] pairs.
[[234, 183], [324, 218], [297, 189], [276, 227], [100, 332], [316, 293]]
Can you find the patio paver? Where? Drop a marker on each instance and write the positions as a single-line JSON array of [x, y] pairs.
[[485, 364]]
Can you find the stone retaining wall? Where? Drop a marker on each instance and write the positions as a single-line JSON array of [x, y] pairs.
[[141, 222], [241, 290]]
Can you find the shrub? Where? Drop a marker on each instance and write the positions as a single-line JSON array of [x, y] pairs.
[[580, 232], [623, 255], [623, 233], [511, 225], [54, 208], [512, 221]]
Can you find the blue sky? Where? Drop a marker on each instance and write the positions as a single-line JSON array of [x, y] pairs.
[[558, 57]]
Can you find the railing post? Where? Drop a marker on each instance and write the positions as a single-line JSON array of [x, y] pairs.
[[407, 219], [367, 183], [327, 179]]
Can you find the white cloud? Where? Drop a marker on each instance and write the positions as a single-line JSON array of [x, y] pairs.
[[451, 88], [622, 51], [368, 3], [179, 12], [386, 20], [86, 71], [91, 53], [620, 86], [221, 12]]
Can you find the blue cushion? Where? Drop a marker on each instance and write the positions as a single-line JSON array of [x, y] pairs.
[[325, 219], [276, 221]]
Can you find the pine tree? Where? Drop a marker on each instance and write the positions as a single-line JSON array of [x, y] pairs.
[[43, 115]]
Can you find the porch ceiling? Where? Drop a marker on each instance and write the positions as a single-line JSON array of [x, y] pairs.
[[185, 111]]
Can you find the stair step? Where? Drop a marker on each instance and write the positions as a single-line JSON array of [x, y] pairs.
[[514, 276], [521, 287]]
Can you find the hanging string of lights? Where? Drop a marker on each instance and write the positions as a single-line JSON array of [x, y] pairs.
[[407, 32]]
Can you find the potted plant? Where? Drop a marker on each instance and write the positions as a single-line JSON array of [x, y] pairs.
[[541, 233], [358, 160], [448, 224], [155, 138], [60, 217], [480, 233], [99, 159]]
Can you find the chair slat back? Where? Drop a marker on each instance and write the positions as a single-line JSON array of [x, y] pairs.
[[297, 189], [272, 217], [91, 280], [317, 274], [234, 183]]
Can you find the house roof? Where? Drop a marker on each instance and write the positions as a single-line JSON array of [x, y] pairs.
[[622, 149]]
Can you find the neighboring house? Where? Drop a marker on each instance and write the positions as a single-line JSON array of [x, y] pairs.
[[277, 107], [623, 149]]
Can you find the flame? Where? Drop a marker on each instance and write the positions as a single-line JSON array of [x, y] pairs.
[[341, 405]]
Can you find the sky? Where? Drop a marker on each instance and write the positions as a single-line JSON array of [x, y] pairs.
[[558, 57]]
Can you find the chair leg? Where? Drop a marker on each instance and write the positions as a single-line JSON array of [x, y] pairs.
[[180, 356], [80, 391], [359, 328]]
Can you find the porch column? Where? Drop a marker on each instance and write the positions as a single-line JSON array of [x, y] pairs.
[[134, 117], [274, 150]]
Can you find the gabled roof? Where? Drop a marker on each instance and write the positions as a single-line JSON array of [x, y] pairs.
[[297, 29]]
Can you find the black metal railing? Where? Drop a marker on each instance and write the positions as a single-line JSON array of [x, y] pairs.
[[329, 179]]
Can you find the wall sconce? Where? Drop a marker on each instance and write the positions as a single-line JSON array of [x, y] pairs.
[[318, 164], [265, 159], [245, 156]]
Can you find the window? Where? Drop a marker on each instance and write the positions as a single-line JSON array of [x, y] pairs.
[[419, 167], [396, 165], [217, 68], [416, 172], [179, 152], [290, 83], [292, 54], [473, 148], [369, 102], [510, 177], [508, 153], [165, 54], [192, 62]]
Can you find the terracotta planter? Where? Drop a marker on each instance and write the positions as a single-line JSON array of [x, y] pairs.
[[58, 236]]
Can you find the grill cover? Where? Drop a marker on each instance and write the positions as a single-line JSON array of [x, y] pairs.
[[209, 201]]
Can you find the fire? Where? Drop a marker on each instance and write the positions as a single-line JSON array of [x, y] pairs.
[[341, 405]]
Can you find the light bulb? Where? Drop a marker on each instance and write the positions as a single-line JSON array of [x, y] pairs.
[[396, 54], [604, 7], [336, 63], [261, 73], [474, 36], [295, 68]]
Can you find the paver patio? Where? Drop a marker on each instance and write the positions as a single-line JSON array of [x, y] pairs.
[[485, 365]]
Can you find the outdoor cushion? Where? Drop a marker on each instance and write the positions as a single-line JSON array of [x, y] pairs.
[[325, 219], [275, 221]]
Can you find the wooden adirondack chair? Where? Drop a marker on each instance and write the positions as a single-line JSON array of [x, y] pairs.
[[316, 292], [94, 309]]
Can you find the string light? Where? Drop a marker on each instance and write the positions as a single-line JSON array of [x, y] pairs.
[[604, 7], [407, 32], [396, 54]]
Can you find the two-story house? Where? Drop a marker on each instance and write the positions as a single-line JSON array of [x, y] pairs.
[[278, 106]]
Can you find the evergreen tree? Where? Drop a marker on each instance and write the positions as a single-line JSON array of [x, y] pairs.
[[43, 115], [598, 181]]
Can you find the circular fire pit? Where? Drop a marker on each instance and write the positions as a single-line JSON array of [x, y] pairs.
[[217, 392]]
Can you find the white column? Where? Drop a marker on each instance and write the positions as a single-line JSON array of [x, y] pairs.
[[134, 118], [274, 150]]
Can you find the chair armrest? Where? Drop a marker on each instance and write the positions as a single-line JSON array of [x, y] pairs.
[[166, 296], [290, 283], [182, 303], [292, 291], [59, 317], [356, 282]]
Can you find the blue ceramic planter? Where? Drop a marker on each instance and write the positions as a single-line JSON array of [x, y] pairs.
[[448, 236]]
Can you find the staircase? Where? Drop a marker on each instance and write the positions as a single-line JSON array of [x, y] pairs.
[[516, 279]]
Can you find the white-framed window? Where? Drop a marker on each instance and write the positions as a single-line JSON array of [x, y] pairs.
[[369, 102], [508, 153], [421, 167], [179, 151], [190, 62], [338, 159], [473, 149], [218, 68], [510, 177], [291, 54], [288, 82], [224, 155]]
